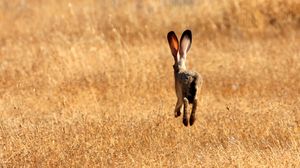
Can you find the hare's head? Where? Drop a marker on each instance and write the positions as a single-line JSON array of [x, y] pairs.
[[179, 50]]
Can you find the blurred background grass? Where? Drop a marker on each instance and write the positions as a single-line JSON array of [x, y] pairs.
[[90, 83]]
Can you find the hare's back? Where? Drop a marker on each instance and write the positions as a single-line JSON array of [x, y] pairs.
[[187, 77], [189, 81]]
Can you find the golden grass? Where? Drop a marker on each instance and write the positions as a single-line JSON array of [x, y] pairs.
[[91, 84]]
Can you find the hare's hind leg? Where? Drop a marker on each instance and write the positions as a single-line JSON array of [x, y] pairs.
[[198, 85], [185, 109], [178, 108], [193, 117]]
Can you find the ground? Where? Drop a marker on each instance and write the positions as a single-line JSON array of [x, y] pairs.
[[91, 84]]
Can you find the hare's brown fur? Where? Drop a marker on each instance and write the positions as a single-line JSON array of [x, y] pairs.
[[187, 83]]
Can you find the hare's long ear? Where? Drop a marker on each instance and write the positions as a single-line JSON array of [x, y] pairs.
[[174, 45], [185, 43]]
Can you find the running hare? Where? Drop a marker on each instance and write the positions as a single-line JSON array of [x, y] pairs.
[[187, 83]]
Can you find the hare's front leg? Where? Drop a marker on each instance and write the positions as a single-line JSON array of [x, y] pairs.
[[178, 108], [185, 109], [193, 117]]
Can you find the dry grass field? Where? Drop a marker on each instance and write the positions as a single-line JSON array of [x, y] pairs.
[[90, 83]]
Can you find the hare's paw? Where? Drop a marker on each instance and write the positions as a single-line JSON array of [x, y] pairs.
[[185, 121], [177, 113], [192, 120]]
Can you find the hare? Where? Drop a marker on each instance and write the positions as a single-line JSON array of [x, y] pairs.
[[187, 83]]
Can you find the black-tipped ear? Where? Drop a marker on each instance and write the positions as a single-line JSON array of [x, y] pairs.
[[173, 43], [185, 42]]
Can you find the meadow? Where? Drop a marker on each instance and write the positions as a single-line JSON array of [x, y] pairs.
[[91, 84]]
